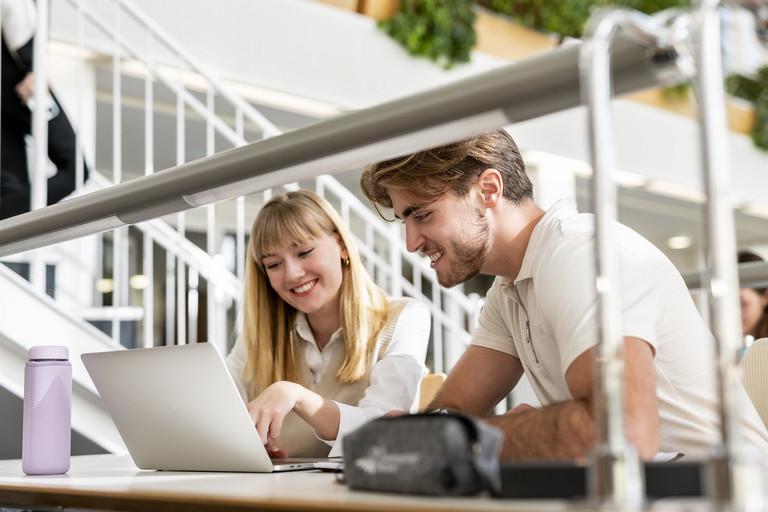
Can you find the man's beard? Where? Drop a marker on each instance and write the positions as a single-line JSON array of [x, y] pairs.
[[469, 253]]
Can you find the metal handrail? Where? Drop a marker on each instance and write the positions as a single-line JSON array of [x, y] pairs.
[[486, 101], [269, 129], [751, 275]]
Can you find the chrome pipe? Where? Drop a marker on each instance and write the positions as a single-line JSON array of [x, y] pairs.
[[240, 211], [181, 278], [613, 456], [211, 317], [148, 243], [750, 275], [517, 92], [119, 244], [735, 477], [616, 479]]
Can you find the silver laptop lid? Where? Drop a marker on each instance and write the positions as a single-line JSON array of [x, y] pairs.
[[177, 408]]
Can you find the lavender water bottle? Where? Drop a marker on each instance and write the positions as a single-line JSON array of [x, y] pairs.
[[47, 411]]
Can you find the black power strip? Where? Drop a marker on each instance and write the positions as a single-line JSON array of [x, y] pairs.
[[569, 481]]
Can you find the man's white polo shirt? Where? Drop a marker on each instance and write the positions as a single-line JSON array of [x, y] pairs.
[[548, 317]]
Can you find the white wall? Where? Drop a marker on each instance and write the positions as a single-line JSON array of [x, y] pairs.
[[296, 46]]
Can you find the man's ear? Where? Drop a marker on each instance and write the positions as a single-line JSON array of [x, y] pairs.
[[490, 186]]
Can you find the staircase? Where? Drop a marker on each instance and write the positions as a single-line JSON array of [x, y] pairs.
[[42, 317], [191, 288]]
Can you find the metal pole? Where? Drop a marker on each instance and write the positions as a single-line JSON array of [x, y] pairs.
[[240, 210], [170, 298], [119, 240], [615, 478], [751, 275], [210, 236], [487, 101], [737, 480], [149, 167], [38, 171], [79, 156], [181, 279]]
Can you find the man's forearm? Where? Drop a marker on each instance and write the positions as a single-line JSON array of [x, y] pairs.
[[454, 404], [559, 431]]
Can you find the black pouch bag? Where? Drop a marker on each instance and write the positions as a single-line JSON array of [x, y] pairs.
[[437, 454]]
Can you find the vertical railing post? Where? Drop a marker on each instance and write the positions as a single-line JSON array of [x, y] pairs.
[[170, 298], [395, 260], [211, 306], [181, 281], [737, 479], [119, 239], [79, 156], [240, 209], [149, 167], [39, 180], [194, 304], [438, 342], [615, 476]]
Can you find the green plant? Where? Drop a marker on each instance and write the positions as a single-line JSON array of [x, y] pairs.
[[441, 30], [754, 90], [568, 18]]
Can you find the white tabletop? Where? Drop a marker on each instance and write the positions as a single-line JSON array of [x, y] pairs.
[[112, 481]]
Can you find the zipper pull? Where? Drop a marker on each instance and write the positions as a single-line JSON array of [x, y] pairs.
[[530, 340]]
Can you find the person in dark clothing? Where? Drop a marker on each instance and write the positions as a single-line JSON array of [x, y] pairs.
[[16, 119]]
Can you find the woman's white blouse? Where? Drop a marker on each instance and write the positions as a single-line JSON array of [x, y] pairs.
[[395, 377]]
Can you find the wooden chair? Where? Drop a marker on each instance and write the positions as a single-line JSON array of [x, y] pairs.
[[430, 385], [756, 376]]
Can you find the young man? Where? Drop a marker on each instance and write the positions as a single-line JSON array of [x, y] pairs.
[[468, 207]]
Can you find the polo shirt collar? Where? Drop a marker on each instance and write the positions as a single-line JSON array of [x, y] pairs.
[[561, 209]]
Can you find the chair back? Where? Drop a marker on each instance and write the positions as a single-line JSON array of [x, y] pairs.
[[430, 385], [756, 376]]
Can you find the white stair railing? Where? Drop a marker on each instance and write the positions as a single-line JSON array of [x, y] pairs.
[[454, 314]]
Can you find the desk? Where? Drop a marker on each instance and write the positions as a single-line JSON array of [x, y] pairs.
[[112, 482]]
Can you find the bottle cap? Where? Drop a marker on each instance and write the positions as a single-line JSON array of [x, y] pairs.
[[49, 352]]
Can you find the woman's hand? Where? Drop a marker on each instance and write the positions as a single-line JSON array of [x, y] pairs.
[[270, 408]]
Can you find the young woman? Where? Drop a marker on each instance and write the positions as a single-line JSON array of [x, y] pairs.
[[754, 304], [323, 348]]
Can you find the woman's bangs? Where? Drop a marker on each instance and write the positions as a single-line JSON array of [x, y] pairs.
[[283, 227]]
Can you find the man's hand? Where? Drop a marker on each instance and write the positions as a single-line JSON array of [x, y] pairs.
[[26, 88], [567, 430], [520, 408], [270, 408]]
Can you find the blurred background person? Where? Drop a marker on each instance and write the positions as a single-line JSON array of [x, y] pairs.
[[754, 304], [19, 18]]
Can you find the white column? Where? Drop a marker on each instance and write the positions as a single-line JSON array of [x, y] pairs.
[[551, 182]]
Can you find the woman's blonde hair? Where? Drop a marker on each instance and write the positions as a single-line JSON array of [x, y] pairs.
[[268, 321]]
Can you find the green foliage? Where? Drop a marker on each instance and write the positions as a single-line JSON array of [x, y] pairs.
[[568, 18], [754, 90], [441, 30], [564, 18]]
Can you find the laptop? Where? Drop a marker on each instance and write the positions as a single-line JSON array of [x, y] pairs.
[[177, 408]]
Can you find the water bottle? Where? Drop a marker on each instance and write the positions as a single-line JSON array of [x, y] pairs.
[[46, 437]]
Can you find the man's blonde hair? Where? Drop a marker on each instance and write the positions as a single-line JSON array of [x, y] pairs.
[[429, 174], [268, 321]]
